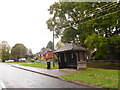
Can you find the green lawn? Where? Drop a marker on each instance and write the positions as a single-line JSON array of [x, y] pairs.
[[39, 65], [14, 62], [99, 77]]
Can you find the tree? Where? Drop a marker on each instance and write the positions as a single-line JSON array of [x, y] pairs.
[[59, 44], [18, 51], [90, 24], [50, 45], [0, 51], [29, 54], [4, 51]]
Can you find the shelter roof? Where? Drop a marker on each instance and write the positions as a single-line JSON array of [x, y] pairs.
[[71, 46]]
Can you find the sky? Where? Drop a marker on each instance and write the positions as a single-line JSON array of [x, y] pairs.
[[24, 21]]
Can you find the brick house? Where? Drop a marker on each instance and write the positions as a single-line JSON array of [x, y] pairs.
[[46, 53]]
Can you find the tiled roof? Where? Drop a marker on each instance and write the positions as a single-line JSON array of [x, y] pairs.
[[70, 46]]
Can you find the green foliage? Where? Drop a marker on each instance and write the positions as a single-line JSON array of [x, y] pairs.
[[70, 35], [55, 58], [18, 51], [59, 44], [29, 56], [40, 65], [103, 45], [50, 60], [32, 60], [99, 77], [4, 51], [43, 58], [90, 24]]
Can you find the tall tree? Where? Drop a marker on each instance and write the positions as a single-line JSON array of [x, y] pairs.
[[90, 24], [50, 45], [18, 51], [5, 51], [0, 51], [59, 44]]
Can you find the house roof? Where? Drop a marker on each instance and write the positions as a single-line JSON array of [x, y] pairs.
[[72, 47], [44, 50]]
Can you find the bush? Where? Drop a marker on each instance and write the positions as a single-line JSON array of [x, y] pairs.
[[50, 60], [55, 58], [32, 60], [43, 59]]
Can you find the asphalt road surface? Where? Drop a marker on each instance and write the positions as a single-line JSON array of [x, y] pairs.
[[11, 77]]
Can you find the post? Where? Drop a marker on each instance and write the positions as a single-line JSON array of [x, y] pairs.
[[53, 50]]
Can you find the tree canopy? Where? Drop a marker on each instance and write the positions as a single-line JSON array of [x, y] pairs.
[[4, 51], [59, 44], [50, 45], [90, 24], [18, 51]]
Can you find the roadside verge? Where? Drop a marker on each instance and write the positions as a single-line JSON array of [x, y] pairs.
[[55, 76]]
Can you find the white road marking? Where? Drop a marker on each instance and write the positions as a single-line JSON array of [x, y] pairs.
[[2, 84]]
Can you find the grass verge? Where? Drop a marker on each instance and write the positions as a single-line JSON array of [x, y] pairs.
[[39, 65], [14, 62], [100, 77]]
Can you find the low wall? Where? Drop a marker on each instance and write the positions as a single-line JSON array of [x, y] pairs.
[[105, 64]]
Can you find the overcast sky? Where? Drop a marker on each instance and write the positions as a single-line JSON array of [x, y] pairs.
[[24, 21]]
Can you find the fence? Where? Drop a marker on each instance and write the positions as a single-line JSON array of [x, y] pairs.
[[105, 64]]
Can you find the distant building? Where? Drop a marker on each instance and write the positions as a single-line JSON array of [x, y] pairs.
[[46, 53], [29, 52]]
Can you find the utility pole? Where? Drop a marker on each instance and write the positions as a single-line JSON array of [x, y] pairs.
[[53, 50]]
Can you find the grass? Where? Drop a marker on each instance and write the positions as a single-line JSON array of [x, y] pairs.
[[39, 65], [15, 62], [100, 77]]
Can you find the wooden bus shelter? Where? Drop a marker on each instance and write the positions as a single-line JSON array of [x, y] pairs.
[[71, 56]]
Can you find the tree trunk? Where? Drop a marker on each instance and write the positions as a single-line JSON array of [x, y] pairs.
[[112, 53]]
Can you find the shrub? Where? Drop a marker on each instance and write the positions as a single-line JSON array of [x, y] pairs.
[[43, 59], [32, 60], [50, 60], [55, 58]]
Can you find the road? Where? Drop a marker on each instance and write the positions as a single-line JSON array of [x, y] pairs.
[[11, 77]]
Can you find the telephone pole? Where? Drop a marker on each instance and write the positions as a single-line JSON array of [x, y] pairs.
[[53, 50]]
